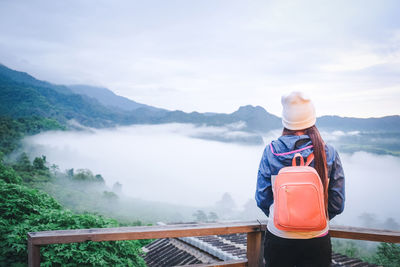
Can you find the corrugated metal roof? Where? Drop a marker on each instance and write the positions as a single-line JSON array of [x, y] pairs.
[[212, 249]]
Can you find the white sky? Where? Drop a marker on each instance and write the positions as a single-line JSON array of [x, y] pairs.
[[214, 56]]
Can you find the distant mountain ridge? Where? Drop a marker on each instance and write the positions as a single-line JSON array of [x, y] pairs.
[[23, 95], [109, 98], [387, 123]]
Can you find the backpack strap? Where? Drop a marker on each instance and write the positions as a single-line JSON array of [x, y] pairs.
[[310, 158], [294, 163]]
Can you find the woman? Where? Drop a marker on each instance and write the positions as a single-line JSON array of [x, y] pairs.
[[300, 135]]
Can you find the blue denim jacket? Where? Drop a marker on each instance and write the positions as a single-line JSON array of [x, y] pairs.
[[271, 164]]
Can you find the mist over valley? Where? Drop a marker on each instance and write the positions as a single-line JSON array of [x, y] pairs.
[[173, 164]]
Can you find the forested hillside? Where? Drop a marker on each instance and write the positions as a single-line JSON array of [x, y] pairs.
[[12, 130], [24, 209], [26, 98]]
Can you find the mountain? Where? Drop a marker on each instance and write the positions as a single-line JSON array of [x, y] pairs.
[[383, 124], [257, 118], [109, 99], [21, 95], [24, 78]]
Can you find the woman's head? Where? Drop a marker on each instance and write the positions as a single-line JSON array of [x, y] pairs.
[[298, 111]]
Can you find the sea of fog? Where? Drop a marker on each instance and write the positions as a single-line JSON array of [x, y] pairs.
[[167, 163]]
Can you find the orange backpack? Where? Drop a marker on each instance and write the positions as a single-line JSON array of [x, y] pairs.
[[299, 198]]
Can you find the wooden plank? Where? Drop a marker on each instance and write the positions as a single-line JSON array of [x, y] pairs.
[[367, 234], [254, 253], [33, 254], [142, 232], [233, 263], [150, 232]]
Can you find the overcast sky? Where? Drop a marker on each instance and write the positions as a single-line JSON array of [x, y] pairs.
[[210, 55]]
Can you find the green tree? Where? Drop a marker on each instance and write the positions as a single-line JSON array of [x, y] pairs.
[[225, 206], [388, 255], [117, 188], [250, 210], [369, 220], [23, 163], [391, 224], [99, 178], [9, 175], [54, 168], [200, 216], [212, 216], [70, 173], [83, 175], [110, 195], [39, 163]]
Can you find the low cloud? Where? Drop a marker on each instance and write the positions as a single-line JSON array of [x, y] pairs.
[[165, 163]]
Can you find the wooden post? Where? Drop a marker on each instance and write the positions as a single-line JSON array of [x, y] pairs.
[[33, 254], [254, 249]]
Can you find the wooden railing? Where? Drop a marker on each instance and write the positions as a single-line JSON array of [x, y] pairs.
[[254, 232]]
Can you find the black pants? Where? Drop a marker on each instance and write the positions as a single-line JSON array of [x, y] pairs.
[[283, 252]]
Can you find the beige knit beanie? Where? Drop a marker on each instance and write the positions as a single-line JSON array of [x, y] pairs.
[[298, 111]]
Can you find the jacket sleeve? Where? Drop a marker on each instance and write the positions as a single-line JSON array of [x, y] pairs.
[[264, 197], [336, 188]]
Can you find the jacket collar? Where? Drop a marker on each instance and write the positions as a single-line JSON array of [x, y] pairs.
[[290, 143]]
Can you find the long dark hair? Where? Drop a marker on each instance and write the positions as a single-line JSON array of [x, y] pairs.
[[319, 155]]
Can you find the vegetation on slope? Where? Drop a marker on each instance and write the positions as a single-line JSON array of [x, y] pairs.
[[383, 254], [23, 210], [19, 100], [13, 130]]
